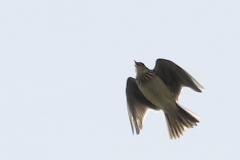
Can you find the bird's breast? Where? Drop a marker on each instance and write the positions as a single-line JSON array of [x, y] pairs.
[[157, 93]]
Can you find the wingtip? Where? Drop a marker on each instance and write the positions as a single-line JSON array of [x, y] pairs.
[[199, 87]]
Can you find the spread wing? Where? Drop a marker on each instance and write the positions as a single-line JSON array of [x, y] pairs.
[[175, 77], [137, 105]]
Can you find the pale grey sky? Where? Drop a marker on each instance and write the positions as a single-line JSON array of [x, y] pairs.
[[63, 71]]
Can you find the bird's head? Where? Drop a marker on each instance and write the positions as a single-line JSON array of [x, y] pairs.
[[140, 68]]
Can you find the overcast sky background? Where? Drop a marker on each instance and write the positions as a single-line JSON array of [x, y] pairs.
[[63, 71]]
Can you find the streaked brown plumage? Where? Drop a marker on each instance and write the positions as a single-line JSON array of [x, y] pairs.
[[159, 89]]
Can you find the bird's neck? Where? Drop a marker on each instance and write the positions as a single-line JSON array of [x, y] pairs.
[[141, 73], [145, 76]]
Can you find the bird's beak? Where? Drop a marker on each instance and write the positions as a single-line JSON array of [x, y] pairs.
[[135, 63]]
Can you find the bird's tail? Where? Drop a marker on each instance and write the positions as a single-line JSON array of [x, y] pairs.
[[184, 119]]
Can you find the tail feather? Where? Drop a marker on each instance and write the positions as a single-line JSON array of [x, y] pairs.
[[185, 119]]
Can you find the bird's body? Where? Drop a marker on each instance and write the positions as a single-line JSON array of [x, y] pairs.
[[158, 89], [157, 93]]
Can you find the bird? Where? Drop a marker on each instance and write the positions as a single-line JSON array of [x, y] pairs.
[[158, 90]]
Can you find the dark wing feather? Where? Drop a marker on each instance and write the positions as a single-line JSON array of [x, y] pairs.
[[175, 77], [137, 105]]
